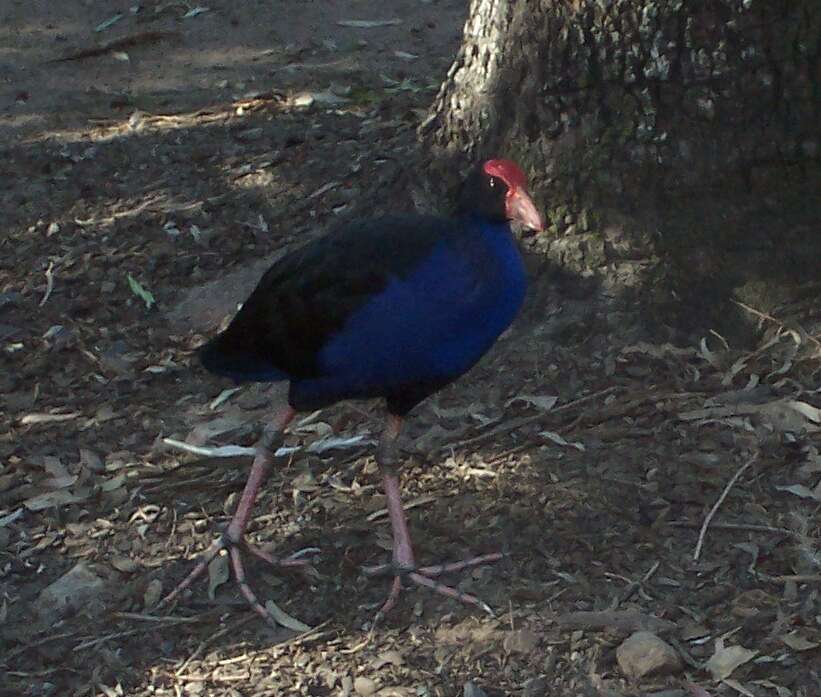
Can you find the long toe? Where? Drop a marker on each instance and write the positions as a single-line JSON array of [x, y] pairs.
[[449, 592], [199, 568], [425, 577], [301, 559]]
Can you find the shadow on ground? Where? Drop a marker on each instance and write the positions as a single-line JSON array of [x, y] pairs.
[[597, 497]]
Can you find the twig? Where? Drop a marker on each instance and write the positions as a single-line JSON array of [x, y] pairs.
[[618, 620], [736, 526], [129, 213], [421, 501], [27, 647], [210, 640], [153, 618], [632, 586], [685, 654], [524, 421], [170, 621], [49, 283], [310, 635], [117, 45], [774, 320], [797, 578], [717, 505], [239, 450], [223, 451]]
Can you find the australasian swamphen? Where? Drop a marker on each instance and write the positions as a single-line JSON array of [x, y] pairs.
[[394, 307]]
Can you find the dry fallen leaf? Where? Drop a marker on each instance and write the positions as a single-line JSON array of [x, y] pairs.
[[60, 476], [47, 418], [61, 497], [284, 619], [738, 687], [391, 657], [218, 573], [726, 659], [800, 490], [125, 564], [697, 690], [545, 402], [798, 643], [560, 440]]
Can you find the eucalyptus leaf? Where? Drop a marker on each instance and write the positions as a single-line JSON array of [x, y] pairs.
[[138, 290]]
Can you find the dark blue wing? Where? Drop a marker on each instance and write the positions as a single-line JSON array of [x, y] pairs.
[[427, 328]]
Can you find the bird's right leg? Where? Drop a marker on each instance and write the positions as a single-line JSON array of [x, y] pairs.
[[232, 538]]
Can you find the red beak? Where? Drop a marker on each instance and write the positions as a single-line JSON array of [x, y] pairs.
[[520, 207]]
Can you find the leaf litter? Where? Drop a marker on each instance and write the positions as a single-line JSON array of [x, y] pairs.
[[660, 447]]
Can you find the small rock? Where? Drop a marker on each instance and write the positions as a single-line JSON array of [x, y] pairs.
[[152, 594], [78, 589], [305, 99], [643, 653], [253, 400], [471, 690], [535, 687], [364, 686]]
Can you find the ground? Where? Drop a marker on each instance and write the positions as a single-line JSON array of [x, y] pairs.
[[144, 187]]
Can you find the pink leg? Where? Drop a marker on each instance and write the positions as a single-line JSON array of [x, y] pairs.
[[233, 536], [403, 563]]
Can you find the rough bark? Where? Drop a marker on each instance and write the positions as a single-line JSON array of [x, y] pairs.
[[675, 145]]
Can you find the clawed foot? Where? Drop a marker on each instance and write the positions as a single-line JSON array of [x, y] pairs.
[[297, 560], [424, 576]]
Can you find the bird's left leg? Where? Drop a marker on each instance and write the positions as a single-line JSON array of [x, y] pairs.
[[233, 536], [403, 563]]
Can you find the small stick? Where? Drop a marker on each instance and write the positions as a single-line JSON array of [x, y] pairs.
[[170, 622], [154, 618], [222, 450], [116, 45], [524, 421], [49, 283], [421, 501], [44, 640], [717, 505], [775, 320], [736, 526], [210, 640]]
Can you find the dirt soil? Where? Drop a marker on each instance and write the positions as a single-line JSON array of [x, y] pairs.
[[150, 167]]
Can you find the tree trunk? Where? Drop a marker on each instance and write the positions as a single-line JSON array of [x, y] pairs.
[[674, 145]]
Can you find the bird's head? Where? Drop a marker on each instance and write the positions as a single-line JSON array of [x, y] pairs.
[[497, 189]]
